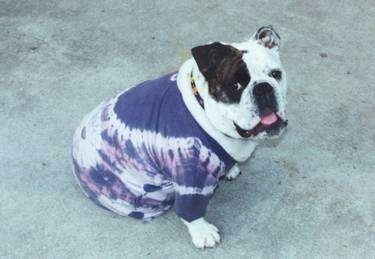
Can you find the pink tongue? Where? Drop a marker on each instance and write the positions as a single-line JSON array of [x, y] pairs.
[[269, 119]]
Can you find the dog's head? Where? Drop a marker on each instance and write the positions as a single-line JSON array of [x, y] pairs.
[[245, 85]]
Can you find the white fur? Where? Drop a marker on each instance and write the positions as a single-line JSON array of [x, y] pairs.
[[233, 172], [217, 118], [203, 234]]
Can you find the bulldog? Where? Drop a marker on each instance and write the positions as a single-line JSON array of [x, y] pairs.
[[166, 142]]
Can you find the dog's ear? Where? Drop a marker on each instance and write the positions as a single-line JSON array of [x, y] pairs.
[[267, 36], [209, 57]]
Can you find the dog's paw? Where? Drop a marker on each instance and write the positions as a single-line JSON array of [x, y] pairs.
[[233, 173], [203, 234]]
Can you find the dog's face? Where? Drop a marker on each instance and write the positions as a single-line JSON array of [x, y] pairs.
[[246, 85]]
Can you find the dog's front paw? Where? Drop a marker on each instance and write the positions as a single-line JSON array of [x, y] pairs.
[[203, 234], [233, 173]]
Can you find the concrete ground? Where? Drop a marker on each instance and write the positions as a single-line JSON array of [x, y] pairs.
[[310, 196]]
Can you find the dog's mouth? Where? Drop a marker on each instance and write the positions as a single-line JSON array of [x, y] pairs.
[[272, 124]]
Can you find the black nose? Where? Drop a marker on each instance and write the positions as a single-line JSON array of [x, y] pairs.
[[265, 98]]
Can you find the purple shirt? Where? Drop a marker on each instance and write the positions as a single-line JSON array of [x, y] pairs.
[[142, 152]]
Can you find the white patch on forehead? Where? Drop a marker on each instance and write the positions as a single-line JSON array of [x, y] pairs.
[[259, 60]]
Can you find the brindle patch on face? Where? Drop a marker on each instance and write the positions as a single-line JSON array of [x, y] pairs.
[[224, 69]]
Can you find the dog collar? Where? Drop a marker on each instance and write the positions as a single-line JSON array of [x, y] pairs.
[[195, 91]]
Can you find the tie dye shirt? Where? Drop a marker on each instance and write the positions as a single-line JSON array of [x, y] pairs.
[[142, 152]]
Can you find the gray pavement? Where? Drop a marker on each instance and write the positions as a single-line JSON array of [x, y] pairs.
[[312, 195]]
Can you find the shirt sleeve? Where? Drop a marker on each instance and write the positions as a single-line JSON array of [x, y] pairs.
[[195, 176]]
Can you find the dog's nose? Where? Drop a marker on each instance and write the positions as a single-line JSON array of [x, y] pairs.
[[265, 98], [262, 89]]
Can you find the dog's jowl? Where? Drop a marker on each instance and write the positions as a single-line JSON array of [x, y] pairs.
[[166, 142]]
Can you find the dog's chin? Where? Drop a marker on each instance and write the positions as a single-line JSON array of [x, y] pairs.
[[262, 130]]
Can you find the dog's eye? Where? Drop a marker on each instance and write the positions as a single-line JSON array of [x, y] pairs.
[[237, 86], [277, 74]]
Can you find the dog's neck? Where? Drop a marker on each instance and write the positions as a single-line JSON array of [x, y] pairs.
[[239, 149]]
